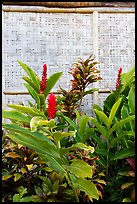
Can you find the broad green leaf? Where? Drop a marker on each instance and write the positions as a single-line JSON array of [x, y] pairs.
[[100, 143], [26, 199], [124, 114], [113, 112], [53, 163], [30, 73], [131, 99], [100, 128], [48, 123], [28, 110], [31, 83], [80, 169], [33, 94], [26, 131], [121, 123], [33, 123], [88, 187], [102, 117], [124, 153], [127, 185], [52, 80], [78, 116], [42, 98], [5, 177], [39, 121], [14, 115], [81, 145], [83, 124], [58, 136], [71, 122], [120, 136], [41, 147], [126, 78], [126, 200], [100, 151], [97, 107]]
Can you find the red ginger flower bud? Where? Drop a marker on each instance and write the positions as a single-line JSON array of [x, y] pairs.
[[51, 106], [44, 79], [118, 81]]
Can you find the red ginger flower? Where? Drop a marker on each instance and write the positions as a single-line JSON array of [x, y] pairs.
[[44, 79], [118, 81], [51, 106]]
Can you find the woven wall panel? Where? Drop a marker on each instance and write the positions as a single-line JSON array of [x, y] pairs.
[[58, 39], [116, 46], [37, 38]]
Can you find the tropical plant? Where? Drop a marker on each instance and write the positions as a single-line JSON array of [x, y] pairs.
[[84, 73], [114, 130], [35, 128]]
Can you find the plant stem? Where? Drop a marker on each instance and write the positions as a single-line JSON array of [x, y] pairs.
[[107, 160]]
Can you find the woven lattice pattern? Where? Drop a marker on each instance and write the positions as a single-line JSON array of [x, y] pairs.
[[116, 46], [58, 39]]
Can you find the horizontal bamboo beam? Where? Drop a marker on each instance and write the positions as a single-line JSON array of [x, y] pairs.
[[27, 93], [66, 10], [73, 4]]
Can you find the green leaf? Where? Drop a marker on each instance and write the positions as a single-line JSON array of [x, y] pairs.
[[80, 169], [127, 185], [30, 73], [88, 187], [25, 109], [120, 136], [100, 181], [71, 122], [102, 117], [18, 129], [48, 123], [33, 94], [90, 91], [52, 80], [126, 78], [124, 153], [113, 112], [31, 83], [102, 161], [26, 199], [81, 145], [126, 200], [100, 128], [121, 123], [33, 123], [58, 136], [17, 176], [131, 99], [5, 177], [14, 115], [53, 163], [40, 146]]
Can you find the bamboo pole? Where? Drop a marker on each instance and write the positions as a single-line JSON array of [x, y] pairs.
[[88, 10], [72, 4], [27, 93], [95, 51]]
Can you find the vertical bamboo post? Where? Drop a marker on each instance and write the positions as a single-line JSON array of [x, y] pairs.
[[3, 60], [95, 51]]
